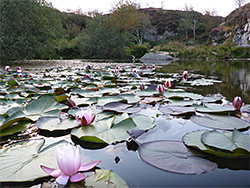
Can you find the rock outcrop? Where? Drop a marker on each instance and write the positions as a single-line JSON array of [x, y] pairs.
[[236, 26]]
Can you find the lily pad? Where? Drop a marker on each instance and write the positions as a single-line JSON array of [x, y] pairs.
[[174, 156], [43, 107], [56, 124], [116, 107], [182, 95], [15, 128], [218, 140], [177, 110], [12, 119], [21, 161], [220, 122], [112, 129], [241, 140], [193, 139], [226, 142], [215, 108], [105, 179]]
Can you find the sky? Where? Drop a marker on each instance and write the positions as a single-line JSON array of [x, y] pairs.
[[222, 7]]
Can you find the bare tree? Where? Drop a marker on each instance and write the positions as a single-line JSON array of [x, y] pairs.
[[239, 3]]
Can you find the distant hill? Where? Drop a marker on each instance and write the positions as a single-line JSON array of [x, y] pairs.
[[235, 27], [179, 24]]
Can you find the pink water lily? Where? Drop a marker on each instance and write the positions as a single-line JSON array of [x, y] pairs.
[[168, 84], [142, 87], [237, 103], [87, 76], [7, 68], [71, 103], [160, 88], [69, 163], [19, 69], [86, 118], [185, 75]]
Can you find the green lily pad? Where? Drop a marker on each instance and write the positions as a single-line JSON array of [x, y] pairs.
[[12, 119], [223, 122], [21, 161], [215, 108], [230, 142], [193, 139], [55, 124], [43, 107], [218, 140], [146, 93], [241, 140], [174, 156], [104, 100], [86, 93], [105, 179], [15, 128], [112, 129], [181, 95], [177, 110], [116, 107], [131, 98]]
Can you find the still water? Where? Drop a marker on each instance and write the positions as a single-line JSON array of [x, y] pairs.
[[235, 77]]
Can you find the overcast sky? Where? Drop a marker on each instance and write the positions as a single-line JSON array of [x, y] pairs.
[[222, 7]]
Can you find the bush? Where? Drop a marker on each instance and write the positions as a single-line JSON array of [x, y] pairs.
[[137, 50]]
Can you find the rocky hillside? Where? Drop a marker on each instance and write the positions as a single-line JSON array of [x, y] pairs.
[[235, 27], [179, 24]]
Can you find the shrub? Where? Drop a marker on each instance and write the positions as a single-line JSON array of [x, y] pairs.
[[137, 50]]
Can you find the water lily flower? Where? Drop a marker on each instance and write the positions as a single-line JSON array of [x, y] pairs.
[[185, 75], [160, 88], [19, 69], [116, 71], [7, 68], [153, 66], [87, 75], [71, 103], [69, 163], [142, 87], [86, 118], [237, 103], [168, 84], [20, 75]]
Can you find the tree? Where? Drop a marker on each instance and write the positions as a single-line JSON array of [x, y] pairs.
[[186, 20], [28, 29], [126, 18], [239, 3]]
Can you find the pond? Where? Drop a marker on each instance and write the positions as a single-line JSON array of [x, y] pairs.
[[164, 119]]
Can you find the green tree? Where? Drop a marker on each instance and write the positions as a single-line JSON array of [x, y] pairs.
[[28, 29], [100, 40]]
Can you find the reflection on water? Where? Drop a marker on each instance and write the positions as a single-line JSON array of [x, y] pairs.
[[235, 76]]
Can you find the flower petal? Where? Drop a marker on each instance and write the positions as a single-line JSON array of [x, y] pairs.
[[62, 179], [78, 120], [84, 121], [65, 160], [77, 159], [93, 118], [77, 177], [89, 165], [51, 171]]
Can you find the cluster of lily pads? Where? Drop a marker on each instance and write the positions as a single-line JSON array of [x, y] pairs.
[[100, 107]]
